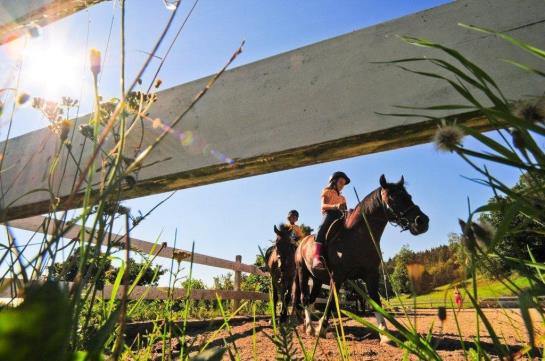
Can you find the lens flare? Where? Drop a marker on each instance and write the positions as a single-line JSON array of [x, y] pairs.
[[191, 141]]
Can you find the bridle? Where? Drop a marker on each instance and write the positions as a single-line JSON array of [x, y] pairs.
[[397, 219]]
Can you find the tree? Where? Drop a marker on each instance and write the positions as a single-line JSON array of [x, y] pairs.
[[524, 233], [224, 282], [307, 230], [95, 267], [254, 282], [194, 284], [400, 278], [99, 269]]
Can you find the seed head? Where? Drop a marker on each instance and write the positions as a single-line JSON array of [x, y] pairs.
[[531, 110], [87, 131], [448, 137]]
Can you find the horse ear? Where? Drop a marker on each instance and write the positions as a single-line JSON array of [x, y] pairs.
[[401, 182], [383, 182], [276, 230]]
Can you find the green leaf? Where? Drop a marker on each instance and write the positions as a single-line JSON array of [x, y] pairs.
[[39, 329]]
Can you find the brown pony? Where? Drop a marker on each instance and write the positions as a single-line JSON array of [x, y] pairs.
[[353, 254], [280, 261]]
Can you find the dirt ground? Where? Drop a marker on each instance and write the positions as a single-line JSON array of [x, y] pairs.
[[364, 345]]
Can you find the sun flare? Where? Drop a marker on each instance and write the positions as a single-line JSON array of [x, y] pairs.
[[51, 70]]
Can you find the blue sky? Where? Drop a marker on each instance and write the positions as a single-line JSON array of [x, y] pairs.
[[236, 217]]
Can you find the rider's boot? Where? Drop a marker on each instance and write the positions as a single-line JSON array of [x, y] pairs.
[[317, 260]]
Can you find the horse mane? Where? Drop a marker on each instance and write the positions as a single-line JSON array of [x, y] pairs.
[[368, 204]]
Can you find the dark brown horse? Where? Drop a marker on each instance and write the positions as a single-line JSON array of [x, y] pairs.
[[281, 263], [354, 254]]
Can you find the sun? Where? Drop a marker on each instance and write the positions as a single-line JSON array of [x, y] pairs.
[[52, 70]]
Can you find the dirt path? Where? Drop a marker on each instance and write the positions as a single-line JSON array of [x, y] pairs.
[[364, 345]]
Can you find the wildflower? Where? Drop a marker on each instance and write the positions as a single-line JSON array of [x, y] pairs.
[[448, 137], [22, 98], [179, 255], [442, 313], [94, 61], [158, 83], [87, 131], [65, 126], [415, 272], [530, 110]]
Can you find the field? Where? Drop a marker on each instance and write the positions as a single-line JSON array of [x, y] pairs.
[[442, 296], [364, 345]]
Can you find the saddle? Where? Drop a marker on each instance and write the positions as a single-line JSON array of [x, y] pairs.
[[337, 228]]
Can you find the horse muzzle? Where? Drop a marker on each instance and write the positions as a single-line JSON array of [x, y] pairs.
[[420, 224]]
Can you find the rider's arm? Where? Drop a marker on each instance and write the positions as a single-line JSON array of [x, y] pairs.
[[326, 205]]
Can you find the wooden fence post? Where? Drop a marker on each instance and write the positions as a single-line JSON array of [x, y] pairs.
[[236, 303]]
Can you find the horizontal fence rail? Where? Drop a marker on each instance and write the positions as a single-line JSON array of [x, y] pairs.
[[152, 293], [38, 224]]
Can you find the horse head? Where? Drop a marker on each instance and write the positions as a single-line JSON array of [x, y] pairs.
[[400, 208], [284, 246]]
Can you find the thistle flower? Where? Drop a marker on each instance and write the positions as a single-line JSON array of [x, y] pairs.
[[22, 98], [530, 110], [448, 137], [94, 61]]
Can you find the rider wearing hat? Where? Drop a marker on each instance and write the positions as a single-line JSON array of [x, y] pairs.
[[333, 205], [296, 232]]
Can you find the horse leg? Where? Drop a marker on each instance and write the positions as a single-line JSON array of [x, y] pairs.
[[372, 289], [296, 299], [285, 304], [323, 323], [303, 276]]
